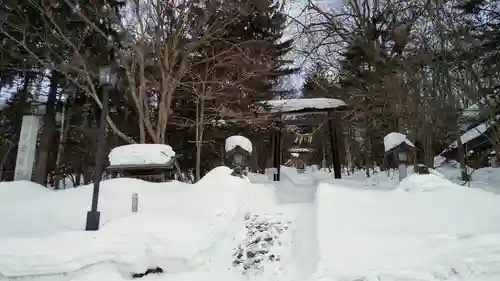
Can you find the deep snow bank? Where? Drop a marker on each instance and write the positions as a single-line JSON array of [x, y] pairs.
[[371, 233], [420, 183], [176, 227], [21, 190]]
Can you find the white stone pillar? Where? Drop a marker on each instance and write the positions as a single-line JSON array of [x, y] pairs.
[[402, 171], [402, 164], [26, 151]]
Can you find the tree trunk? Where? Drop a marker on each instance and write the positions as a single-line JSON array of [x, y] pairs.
[[49, 127], [63, 135], [367, 147], [200, 116]]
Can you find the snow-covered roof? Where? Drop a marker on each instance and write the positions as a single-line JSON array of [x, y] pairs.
[[241, 141], [300, 149], [141, 154], [394, 139], [291, 105], [475, 132]]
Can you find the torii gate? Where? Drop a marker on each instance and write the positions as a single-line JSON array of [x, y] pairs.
[[320, 110]]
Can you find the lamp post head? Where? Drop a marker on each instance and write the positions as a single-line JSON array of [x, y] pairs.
[[107, 75]]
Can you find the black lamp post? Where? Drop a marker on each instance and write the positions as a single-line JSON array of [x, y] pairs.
[[107, 79]]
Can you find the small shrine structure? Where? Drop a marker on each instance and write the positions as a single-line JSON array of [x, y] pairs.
[[149, 162]]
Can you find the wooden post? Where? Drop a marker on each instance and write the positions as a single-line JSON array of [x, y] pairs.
[[135, 203], [277, 152], [332, 129], [280, 154]]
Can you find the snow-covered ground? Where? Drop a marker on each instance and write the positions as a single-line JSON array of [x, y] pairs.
[[426, 229], [357, 228], [178, 226]]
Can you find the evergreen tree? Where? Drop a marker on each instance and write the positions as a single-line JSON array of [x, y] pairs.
[[481, 21], [247, 54]]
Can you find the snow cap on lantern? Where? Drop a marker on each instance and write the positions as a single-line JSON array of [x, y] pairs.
[[399, 144]]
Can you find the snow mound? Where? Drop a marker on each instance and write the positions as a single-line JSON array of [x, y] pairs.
[[421, 183], [487, 175], [240, 141], [178, 225], [365, 233], [217, 175], [394, 139], [439, 161], [16, 190], [143, 153], [137, 242]]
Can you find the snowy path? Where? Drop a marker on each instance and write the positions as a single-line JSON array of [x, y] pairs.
[[296, 197]]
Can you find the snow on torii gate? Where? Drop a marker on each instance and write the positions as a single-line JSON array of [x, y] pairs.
[[320, 110]]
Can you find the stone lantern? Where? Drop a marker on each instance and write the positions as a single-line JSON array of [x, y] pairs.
[[402, 153], [238, 160], [238, 151], [398, 145]]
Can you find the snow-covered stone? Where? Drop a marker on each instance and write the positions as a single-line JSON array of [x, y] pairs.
[[141, 154], [241, 141], [394, 139], [290, 105]]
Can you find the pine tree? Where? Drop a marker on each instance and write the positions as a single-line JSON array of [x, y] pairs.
[[247, 57], [481, 20], [258, 29]]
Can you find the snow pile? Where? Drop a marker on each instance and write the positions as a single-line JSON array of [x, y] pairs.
[[487, 176], [387, 235], [290, 105], [241, 141], [143, 153], [21, 190], [137, 242], [177, 228], [439, 161], [394, 139], [421, 183]]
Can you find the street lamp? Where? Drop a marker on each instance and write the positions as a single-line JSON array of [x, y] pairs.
[[107, 80], [107, 76], [402, 152]]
